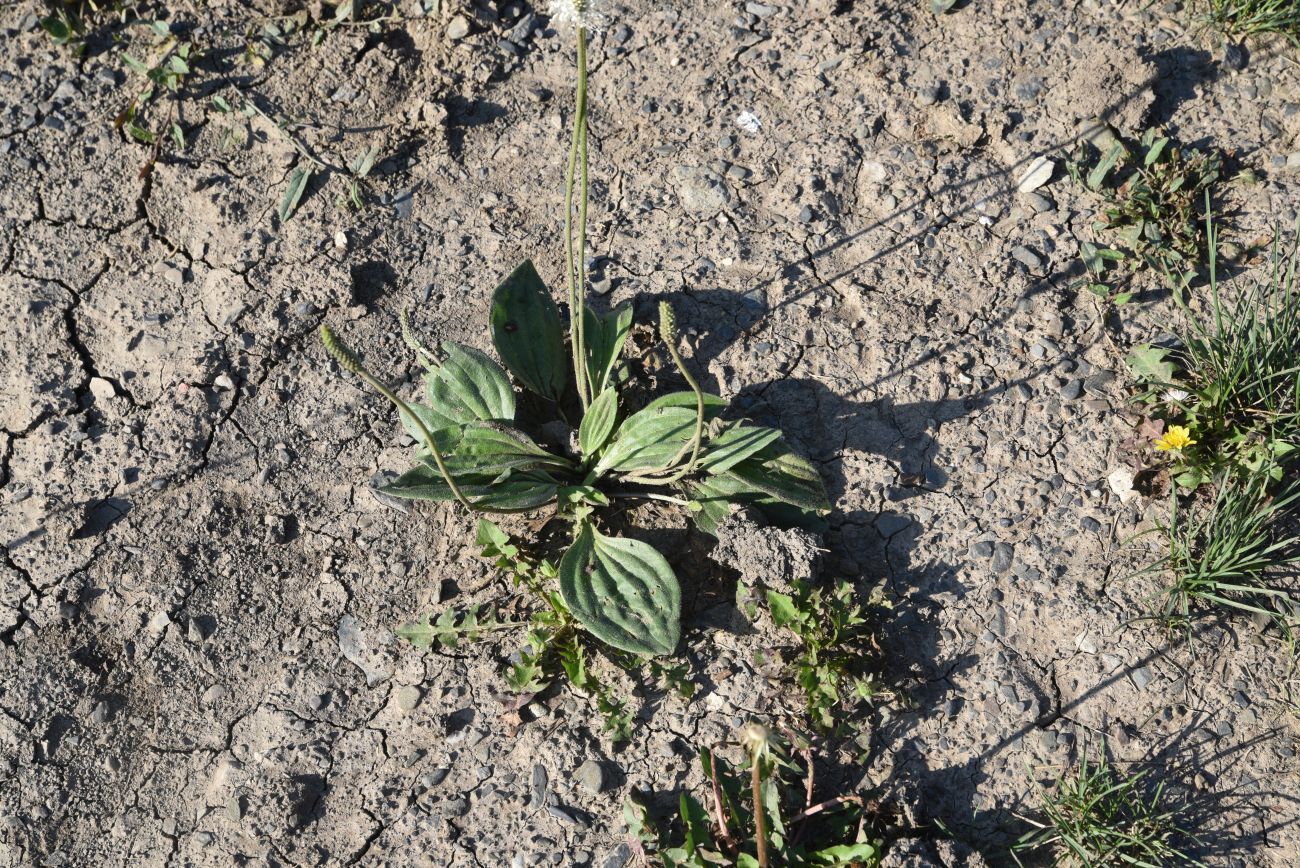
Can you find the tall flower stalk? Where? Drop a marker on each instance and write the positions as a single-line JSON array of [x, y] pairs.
[[576, 259]]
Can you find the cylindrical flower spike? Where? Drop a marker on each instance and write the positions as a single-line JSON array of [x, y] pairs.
[[343, 354], [667, 323]]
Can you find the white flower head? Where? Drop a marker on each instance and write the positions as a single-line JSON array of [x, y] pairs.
[[590, 15], [1176, 395]]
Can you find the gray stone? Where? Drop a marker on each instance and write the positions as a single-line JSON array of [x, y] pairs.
[[590, 776], [540, 783], [1026, 257], [458, 28], [1098, 382], [214, 695], [982, 549], [432, 778], [408, 697], [1235, 56], [354, 647], [1036, 175], [102, 389], [100, 714], [1072, 390], [618, 857], [1003, 555], [1142, 676], [1040, 203]]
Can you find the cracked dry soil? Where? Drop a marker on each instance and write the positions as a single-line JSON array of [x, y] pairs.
[[198, 589]]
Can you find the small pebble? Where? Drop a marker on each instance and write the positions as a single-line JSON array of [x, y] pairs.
[[458, 28], [590, 776], [1026, 257]]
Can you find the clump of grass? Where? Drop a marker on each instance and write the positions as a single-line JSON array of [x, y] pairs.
[[1228, 400], [1095, 817], [1224, 419], [1222, 548], [1152, 192], [1242, 18]]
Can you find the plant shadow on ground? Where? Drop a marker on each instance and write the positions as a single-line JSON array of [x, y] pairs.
[[871, 544], [1214, 816]]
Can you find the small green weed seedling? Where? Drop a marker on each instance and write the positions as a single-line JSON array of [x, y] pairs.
[[1151, 193], [1228, 400], [173, 62], [70, 22], [835, 645], [1243, 18], [310, 165], [474, 449], [757, 818], [1096, 818]]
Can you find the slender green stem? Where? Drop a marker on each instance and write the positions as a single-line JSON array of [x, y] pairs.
[[425, 434], [576, 259], [582, 375], [698, 436]]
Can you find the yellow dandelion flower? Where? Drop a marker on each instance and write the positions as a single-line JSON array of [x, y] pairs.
[[1177, 437]]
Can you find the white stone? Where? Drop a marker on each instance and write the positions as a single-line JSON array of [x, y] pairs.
[[102, 389], [1039, 173]]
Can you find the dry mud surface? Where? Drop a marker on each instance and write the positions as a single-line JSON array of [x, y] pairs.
[[198, 590]]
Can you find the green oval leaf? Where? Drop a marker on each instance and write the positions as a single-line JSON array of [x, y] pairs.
[[605, 338], [527, 332], [651, 437], [735, 445], [488, 448], [785, 477], [598, 424], [648, 440], [622, 591], [468, 386], [299, 178], [515, 492], [1151, 365]]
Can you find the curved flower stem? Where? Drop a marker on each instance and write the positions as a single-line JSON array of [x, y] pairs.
[[577, 270], [698, 436], [425, 434], [350, 361]]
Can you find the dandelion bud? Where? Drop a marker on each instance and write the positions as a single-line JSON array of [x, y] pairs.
[[756, 739], [667, 323], [348, 360]]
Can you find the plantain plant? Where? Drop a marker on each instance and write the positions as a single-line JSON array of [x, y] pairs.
[[474, 448]]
